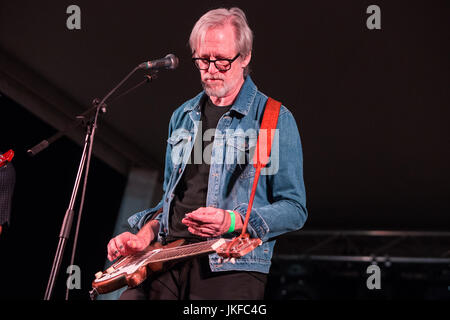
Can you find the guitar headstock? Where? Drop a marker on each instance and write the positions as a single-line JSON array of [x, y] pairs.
[[236, 248]]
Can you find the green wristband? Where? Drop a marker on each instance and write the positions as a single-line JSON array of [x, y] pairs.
[[233, 221]]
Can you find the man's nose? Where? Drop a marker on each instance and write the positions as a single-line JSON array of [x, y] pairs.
[[212, 68]]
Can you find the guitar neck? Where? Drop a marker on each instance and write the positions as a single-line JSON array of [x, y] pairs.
[[184, 251]]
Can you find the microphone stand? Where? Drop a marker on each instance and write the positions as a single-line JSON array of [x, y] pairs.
[[99, 107]]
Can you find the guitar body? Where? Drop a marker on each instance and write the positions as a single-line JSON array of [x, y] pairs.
[[115, 277]]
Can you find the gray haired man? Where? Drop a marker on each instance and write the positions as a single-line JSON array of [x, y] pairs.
[[209, 199]]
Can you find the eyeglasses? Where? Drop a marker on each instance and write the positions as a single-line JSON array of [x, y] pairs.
[[221, 64]]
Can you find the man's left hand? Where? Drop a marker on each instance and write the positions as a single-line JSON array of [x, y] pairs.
[[210, 222]]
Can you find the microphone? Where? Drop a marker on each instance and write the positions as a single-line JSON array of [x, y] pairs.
[[168, 62]]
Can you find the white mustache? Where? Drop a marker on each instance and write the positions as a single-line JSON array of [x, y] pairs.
[[213, 78]]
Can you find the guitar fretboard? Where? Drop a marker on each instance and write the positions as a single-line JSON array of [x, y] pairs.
[[182, 251]]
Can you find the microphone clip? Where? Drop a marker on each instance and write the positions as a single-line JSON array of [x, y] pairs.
[[152, 75]]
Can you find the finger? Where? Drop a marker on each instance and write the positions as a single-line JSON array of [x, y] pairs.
[[215, 216], [198, 210], [112, 250], [202, 231], [120, 246], [203, 211], [215, 221], [206, 227], [190, 222], [134, 245], [199, 219]]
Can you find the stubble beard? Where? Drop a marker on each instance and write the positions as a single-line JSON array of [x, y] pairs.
[[218, 91]]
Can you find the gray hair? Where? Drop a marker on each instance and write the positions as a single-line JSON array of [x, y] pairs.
[[220, 17]]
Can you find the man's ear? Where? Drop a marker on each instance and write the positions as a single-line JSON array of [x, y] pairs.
[[246, 61]]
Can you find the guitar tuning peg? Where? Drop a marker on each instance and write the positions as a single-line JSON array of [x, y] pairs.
[[233, 260], [220, 260]]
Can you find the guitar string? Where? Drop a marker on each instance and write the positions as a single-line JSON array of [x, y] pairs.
[[170, 252], [173, 252], [187, 249], [138, 256], [183, 251]]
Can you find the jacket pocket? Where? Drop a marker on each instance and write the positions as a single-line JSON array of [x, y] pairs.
[[239, 155], [180, 142]]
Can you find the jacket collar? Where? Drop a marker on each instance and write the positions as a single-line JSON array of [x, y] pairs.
[[242, 103]]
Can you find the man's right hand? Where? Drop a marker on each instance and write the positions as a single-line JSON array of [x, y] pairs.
[[127, 243]]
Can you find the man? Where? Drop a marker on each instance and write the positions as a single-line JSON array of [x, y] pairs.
[[209, 198]]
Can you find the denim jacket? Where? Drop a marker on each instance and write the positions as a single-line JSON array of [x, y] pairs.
[[279, 205]]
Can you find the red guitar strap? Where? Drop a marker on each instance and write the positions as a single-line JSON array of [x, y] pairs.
[[263, 147], [266, 134], [6, 157], [261, 156]]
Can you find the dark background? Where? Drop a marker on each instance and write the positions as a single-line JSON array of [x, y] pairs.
[[372, 107]]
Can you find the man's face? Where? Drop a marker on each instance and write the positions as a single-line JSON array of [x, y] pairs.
[[219, 43]]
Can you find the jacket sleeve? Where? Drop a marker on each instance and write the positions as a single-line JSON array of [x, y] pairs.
[[285, 186]]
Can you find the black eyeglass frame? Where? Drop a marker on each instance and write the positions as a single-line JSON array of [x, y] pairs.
[[230, 61]]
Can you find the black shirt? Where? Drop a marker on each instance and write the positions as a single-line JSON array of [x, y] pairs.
[[191, 191]]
